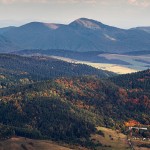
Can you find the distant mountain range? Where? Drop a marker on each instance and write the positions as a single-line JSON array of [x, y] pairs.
[[146, 29], [81, 35], [6, 45]]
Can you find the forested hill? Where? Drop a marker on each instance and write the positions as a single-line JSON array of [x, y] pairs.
[[138, 80], [27, 69], [45, 98], [70, 109]]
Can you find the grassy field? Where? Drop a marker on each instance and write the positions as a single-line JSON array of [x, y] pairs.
[[112, 140], [21, 143], [136, 63], [136, 144], [110, 67]]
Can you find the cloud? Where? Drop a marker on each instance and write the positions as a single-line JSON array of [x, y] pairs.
[[48, 1], [23, 1], [132, 1], [140, 3], [7, 1], [78, 1]]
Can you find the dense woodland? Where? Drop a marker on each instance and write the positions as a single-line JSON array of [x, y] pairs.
[[21, 70], [139, 80], [68, 108]]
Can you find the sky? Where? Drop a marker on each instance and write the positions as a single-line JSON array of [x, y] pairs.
[[119, 13]]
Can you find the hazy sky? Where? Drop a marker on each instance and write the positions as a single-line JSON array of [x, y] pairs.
[[120, 13]]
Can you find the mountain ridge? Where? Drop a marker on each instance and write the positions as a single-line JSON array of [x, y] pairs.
[[80, 35], [146, 28]]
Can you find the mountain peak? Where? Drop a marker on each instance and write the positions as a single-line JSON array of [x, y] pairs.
[[87, 23], [37, 25]]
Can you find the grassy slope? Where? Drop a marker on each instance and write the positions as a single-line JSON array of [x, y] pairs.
[[112, 140], [21, 143], [136, 144]]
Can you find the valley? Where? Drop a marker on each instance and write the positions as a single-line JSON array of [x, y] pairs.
[[117, 63], [141, 62], [116, 68]]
